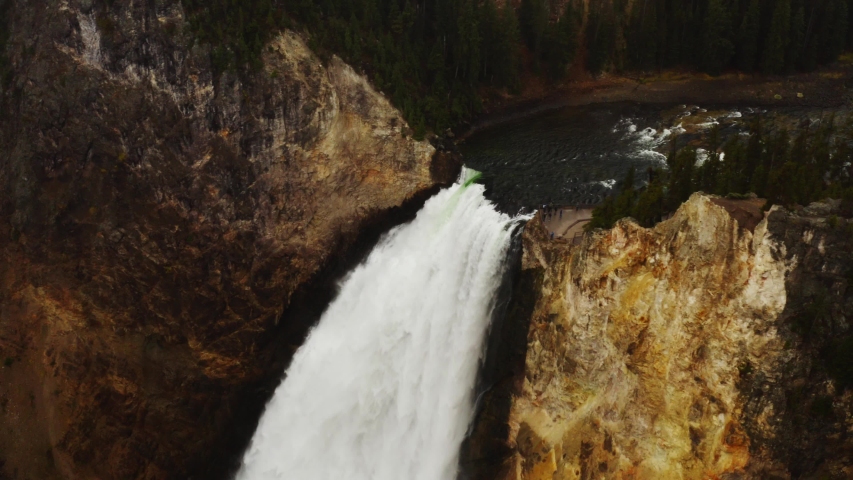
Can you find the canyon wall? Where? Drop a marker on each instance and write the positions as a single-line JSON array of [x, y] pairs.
[[159, 224], [715, 345]]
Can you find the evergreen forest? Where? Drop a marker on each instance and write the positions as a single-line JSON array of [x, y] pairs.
[[786, 168], [5, 68], [435, 58]]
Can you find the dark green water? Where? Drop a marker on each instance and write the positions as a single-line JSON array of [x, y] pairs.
[[576, 155]]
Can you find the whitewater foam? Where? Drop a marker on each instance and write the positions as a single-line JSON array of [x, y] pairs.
[[382, 389], [701, 156]]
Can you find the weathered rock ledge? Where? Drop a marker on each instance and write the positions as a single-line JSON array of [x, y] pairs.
[[159, 229], [696, 349]]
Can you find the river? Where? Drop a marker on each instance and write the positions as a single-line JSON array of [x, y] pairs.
[[578, 155]]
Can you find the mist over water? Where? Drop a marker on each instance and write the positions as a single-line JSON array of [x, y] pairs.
[[382, 389]]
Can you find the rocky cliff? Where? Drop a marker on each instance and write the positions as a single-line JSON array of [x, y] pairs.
[[158, 222], [716, 345]]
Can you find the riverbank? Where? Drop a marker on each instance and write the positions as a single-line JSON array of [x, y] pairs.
[[825, 88]]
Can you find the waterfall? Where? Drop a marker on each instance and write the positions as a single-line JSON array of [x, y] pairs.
[[382, 389]]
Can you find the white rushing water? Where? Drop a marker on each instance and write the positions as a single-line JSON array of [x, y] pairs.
[[382, 389]]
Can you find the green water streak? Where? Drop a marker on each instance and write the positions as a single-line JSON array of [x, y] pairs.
[[475, 175]]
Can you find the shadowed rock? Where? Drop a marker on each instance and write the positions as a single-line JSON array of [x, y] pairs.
[[168, 235]]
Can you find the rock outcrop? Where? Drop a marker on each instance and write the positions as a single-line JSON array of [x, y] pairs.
[[157, 220], [701, 348]]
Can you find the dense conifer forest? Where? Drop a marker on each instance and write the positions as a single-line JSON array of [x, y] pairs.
[[787, 168], [5, 70], [434, 57]]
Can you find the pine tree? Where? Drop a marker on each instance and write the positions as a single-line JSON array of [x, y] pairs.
[[732, 168], [662, 34], [677, 16], [629, 180], [849, 44], [466, 43], [624, 203], [489, 34], [6, 72], [500, 41], [837, 35], [717, 47], [710, 171], [776, 42], [649, 206], [601, 32], [603, 216], [643, 36], [508, 64], [395, 17], [533, 17], [562, 43], [751, 157], [772, 158], [748, 35], [797, 40], [681, 168]]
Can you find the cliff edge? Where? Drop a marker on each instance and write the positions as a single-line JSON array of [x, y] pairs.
[[701, 348], [156, 221]]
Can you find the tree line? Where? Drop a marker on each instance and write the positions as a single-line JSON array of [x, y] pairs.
[[767, 36], [429, 56], [787, 168], [5, 67], [433, 58]]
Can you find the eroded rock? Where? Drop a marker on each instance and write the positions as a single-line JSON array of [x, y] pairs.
[[155, 221], [675, 352]]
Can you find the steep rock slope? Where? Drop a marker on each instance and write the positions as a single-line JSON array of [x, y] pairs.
[[697, 349], [155, 221]]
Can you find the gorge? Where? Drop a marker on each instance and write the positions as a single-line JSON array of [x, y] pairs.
[[210, 270]]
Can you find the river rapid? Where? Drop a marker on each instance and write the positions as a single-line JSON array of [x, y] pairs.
[[578, 155]]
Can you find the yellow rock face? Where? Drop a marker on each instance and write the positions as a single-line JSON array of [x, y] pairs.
[[636, 344]]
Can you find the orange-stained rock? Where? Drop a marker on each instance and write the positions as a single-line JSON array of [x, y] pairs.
[[674, 352]]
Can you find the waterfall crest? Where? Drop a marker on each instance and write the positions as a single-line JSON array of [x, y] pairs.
[[382, 388]]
